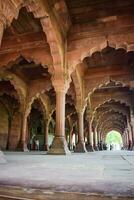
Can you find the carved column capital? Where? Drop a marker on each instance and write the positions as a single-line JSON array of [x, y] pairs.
[[60, 84]]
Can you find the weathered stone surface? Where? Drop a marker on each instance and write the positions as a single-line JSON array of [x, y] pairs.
[[59, 147], [80, 147], [105, 172]]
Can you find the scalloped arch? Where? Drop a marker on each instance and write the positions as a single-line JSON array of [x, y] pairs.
[[38, 11], [43, 101], [30, 57], [111, 126], [109, 112], [18, 85], [105, 81], [108, 121], [109, 101], [121, 101], [115, 129], [98, 47]]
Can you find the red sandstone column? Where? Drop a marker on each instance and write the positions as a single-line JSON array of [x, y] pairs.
[[80, 146], [2, 26], [132, 132], [88, 139], [124, 140], [46, 146], [96, 141], [127, 140], [23, 139], [91, 142], [59, 144], [70, 139], [132, 129], [99, 140], [129, 137]]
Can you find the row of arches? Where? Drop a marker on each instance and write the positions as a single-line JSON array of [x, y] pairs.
[[82, 94], [108, 115]]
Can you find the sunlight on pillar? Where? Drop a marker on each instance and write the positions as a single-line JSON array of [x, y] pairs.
[[114, 140]]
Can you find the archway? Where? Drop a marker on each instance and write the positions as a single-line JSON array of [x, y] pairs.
[[36, 127], [114, 140], [10, 117]]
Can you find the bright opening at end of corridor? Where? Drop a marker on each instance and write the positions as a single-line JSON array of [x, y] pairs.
[[114, 140]]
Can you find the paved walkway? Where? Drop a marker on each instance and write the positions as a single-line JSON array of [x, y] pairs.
[[107, 172]]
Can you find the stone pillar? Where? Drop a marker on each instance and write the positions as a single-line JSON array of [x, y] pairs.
[[88, 141], [132, 129], [59, 144], [2, 26], [96, 141], [80, 146], [22, 146], [70, 140], [46, 145], [132, 132], [127, 140], [91, 142], [76, 139], [130, 137], [125, 136], [99, 141], [124, 140]]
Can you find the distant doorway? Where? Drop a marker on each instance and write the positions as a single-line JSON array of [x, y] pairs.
[[114, 140]]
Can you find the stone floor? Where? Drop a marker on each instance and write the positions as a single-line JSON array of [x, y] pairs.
[[105, 173]]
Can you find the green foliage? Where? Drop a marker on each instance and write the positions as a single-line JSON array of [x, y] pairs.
[[113, 137]]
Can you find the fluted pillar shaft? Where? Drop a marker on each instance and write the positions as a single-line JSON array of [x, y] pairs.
[[80, 146], [23, 138], [46, 132], [59, 144], [96, 141]]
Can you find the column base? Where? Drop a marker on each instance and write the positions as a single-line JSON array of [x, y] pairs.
[[80, 148], [2, 158], [96, 148], [22, 146], [59, 147], [46, 147], [90, 148]]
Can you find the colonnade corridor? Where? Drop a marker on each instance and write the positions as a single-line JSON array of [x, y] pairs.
[[94, 175], [66, 99]]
